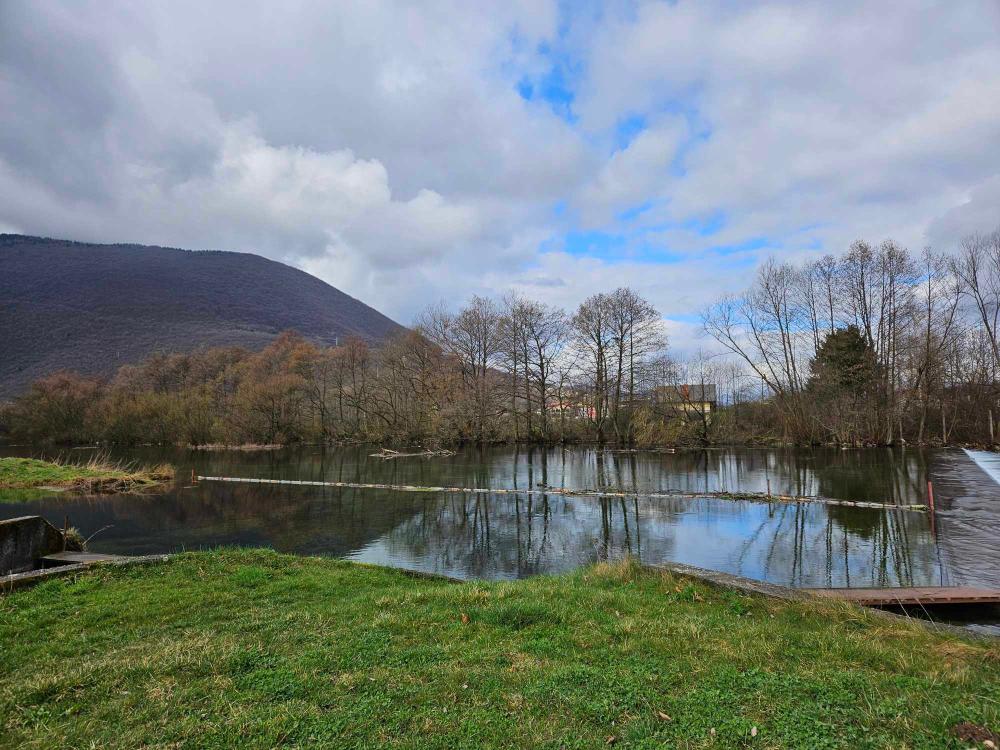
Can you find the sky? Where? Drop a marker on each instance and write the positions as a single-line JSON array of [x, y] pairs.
[[411, 153]]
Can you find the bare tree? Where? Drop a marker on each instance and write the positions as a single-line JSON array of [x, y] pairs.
[[546, 333], [939, 292], [978, 267], [594, 339], [636, 333], [766, 329], [474, 337]]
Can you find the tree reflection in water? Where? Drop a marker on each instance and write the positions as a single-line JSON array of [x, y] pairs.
[[506, 536], [794, 544]]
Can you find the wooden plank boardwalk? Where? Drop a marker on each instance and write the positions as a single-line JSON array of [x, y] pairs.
[[913, 596]]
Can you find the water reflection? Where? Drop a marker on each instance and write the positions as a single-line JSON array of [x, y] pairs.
[[793, 544], [515, 535]]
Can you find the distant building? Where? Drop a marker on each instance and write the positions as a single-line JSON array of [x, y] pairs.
[[573, 403], [686, 399]]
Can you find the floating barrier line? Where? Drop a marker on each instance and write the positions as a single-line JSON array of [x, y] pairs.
[[758, 497]]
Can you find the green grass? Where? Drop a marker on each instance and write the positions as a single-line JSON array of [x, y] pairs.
[[98, 475], [255, 649]]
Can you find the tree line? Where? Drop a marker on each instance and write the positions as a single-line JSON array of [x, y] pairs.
[[875, 346], [495, 370]]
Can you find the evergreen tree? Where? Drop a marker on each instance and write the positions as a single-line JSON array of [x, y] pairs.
[[845, 363], [843, 386]]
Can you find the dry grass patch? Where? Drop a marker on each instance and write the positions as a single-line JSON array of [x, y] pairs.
[[99, 475]]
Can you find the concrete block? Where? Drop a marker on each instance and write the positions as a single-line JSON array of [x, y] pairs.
[[24, 541]]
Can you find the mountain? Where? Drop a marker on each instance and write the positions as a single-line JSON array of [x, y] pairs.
[[92, 308]]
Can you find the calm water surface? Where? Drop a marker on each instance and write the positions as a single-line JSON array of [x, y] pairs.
[[510, 536]]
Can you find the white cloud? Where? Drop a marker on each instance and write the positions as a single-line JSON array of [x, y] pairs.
[[384, 146], [977, 213], [635, 174], [864, 119]]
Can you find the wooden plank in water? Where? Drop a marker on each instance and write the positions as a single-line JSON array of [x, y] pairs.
[[916, 595], [759, 497]]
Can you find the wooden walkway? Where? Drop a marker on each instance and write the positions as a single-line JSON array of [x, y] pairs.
[[913, 596]]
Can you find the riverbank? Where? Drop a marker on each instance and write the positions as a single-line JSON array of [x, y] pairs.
[[96, 476], [257, 649]]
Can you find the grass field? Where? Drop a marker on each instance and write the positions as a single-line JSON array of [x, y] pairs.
[[255, 649], [20, 476]]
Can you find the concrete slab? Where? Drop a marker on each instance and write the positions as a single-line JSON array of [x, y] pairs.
[[14, 581], [71, 558]]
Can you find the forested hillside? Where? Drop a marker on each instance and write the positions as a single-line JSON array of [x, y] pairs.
[[92, 308]]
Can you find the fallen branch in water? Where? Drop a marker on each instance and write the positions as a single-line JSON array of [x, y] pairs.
[[639, 450], [387, 453], [237, 447]]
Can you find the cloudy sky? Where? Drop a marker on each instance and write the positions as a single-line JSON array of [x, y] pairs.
[[413, 152]]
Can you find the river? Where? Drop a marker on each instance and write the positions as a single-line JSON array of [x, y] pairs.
[[516, 535]]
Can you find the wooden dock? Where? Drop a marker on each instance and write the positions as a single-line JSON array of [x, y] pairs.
[[921, 595]]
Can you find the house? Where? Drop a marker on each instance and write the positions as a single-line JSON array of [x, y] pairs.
[[573, 403], [686, 399]]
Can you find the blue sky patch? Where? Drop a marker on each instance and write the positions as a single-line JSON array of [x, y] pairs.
[[627, 129], [555, 86], [708, 226], [633, 212], [594, 244]]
